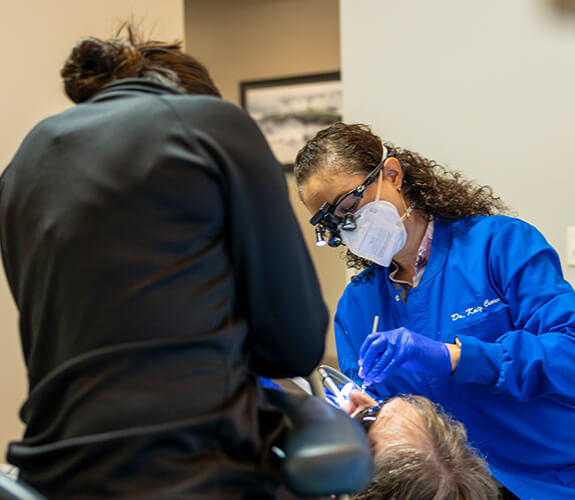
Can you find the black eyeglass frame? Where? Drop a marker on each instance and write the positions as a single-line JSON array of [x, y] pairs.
[[325, 219], [368, 416]]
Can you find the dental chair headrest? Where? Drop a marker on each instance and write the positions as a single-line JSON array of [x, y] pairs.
[[326, 451]]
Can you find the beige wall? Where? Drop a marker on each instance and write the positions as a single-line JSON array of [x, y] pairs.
[[257, 39], [486, 87], [36, 38]]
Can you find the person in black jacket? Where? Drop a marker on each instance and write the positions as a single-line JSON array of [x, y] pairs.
[[158, 270]]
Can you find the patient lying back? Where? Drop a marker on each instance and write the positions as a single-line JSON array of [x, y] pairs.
[[420, 452]]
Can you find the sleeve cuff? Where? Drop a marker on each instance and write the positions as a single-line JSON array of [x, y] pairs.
[[479, 362]]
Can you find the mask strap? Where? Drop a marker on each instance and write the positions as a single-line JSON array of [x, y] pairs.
[[379, 179], [407, 210]]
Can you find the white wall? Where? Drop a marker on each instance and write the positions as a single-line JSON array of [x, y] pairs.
[[486, 87], [36, 37]]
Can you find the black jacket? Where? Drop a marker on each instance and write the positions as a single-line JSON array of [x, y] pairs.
[[157, 267]]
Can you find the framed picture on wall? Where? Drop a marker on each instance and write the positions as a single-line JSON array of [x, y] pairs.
[[290, 111]]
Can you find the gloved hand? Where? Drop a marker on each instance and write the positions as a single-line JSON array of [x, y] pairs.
[[341, 400], [384, 352]]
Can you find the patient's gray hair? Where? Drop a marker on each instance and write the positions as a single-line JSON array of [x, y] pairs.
[[432, 462]]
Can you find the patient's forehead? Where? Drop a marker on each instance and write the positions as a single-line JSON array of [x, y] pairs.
[[397, 418], [396, 408]]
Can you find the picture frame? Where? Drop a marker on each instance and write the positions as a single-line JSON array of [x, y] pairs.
[[291, 110]]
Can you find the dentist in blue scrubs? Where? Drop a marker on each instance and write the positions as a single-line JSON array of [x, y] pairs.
[[457, 303]]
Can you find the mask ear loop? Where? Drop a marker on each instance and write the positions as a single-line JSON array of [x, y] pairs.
[[379, 179], [406, 210]]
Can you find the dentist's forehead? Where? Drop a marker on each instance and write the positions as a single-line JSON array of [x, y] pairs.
[[323, 187]]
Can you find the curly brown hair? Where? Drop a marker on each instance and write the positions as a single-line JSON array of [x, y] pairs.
[[94, 63], [431, 188]]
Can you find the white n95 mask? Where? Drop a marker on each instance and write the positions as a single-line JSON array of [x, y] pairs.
[[379, 234]]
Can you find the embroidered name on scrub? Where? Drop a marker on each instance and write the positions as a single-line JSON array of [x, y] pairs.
[[470, 311]]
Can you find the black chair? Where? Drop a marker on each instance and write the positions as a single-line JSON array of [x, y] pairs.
[[324, 452]]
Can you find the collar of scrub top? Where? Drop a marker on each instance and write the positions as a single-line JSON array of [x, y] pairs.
[[340, 216]]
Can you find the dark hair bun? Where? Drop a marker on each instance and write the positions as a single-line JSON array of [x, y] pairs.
[[93, 63]]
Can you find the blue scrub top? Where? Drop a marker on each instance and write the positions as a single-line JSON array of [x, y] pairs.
[[496, 284]]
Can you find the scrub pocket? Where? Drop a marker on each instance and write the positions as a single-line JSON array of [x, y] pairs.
[[489, 327]]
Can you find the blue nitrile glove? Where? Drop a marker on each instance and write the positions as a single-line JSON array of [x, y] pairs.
[[384, 352], [270, 384], [341, 400], [331, 398]]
